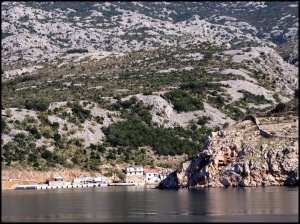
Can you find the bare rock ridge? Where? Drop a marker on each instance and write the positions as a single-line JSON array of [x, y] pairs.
[[244, 156]]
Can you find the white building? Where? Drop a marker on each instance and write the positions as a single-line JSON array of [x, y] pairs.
[[135, 174], [152, 176], [134, 170]]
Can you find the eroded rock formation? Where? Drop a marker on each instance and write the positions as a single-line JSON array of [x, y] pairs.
[[240, 156]]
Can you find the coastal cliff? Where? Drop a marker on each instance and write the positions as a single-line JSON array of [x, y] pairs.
[[255, 152]]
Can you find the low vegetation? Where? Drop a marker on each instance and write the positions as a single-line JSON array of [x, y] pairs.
[[186, 85]]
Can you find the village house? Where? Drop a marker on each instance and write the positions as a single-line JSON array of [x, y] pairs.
[[139, 175], [134, 174], [134, 170], [151, 176]]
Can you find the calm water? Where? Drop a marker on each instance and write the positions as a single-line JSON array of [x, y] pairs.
[[141, 204]]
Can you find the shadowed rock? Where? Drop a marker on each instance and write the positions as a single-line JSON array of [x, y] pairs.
[[171, 181]]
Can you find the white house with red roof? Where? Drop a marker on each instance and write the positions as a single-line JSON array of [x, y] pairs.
[[151, 176]]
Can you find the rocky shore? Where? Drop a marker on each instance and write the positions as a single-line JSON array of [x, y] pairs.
[[252, 153], [255, 152]]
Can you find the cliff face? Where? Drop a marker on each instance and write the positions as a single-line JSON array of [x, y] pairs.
[[255, 152]]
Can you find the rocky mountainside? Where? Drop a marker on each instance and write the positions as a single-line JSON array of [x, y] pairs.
[[256, 152], [99, 85], [34, 31]]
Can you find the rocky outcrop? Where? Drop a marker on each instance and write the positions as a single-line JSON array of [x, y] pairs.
[[170, 182], [240, 156]]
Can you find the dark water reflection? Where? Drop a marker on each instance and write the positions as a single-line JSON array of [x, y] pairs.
[[139, 204]]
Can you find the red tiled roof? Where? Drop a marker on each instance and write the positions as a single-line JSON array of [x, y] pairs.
[[150, 171]]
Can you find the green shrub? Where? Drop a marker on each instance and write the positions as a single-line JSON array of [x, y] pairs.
[[183, 101], [32, 158], [3, 125], [225, 125], [47, 133], [134, 133], [80, 112], [34, 131], [276, 97], [47, 155], [203, 120], [219, 101], [40, 105], [73, 51], [234, 112], [256, 99], [281, 107], [55, 125], [57, 137]]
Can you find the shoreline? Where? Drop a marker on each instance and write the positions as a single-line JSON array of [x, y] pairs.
[[36, 186]]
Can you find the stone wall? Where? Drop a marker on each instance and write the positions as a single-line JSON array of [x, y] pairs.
[[135, 179]]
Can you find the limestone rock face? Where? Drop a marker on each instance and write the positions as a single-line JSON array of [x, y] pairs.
[[246, 159]]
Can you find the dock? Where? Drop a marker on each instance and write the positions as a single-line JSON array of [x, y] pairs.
[[40, 187], [121, 184]]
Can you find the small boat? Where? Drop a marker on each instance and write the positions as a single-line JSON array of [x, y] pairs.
[[25, 188]]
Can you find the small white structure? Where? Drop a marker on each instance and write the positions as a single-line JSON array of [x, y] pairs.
[[58, 181], [76, 181], [152, 176], [97, 179], [101, 180], [82, 180]]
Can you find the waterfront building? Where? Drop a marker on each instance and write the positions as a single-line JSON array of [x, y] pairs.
[[151, 176], [134, 174]]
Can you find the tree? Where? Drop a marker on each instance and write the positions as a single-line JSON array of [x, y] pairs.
[[47, 155], [57, 137], [3, 125], [279, 108]]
